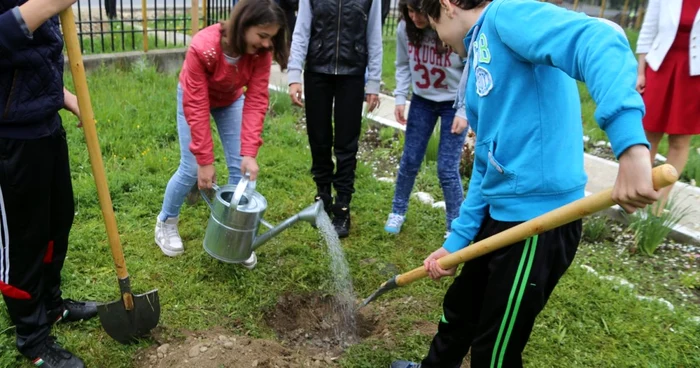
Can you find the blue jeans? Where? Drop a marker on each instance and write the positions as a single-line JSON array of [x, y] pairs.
[[228, 121], [422, 117]]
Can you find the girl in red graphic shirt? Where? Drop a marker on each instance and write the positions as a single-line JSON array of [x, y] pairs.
[[221, 60]]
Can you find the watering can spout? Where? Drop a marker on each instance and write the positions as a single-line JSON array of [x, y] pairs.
[[308, 214]]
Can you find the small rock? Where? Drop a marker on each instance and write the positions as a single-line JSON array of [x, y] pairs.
[[222, 338], [203, 349], [255, 363], [660, 300], [618, 280], [194, 351], [228, 344], [386, 180], [152, 358], [440, 205], [163, 349], [424, 197]]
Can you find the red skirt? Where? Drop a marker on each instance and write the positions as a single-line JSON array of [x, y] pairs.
[[672, 97]]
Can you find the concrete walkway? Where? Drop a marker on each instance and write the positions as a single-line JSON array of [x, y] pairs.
[[601, 172]]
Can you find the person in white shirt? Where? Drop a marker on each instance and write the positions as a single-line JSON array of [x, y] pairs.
[[433, 71], [669, 78]]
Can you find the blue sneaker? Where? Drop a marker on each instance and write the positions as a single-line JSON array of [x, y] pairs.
[[404, 364], [393, 223]]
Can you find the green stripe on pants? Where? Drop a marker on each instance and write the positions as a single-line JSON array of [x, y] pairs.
[[510, 303]]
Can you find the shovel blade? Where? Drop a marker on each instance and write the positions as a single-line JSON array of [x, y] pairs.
[[126, 326], [391, 284]]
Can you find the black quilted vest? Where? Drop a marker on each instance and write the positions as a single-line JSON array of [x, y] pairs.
[[31, 82], [338, 42]]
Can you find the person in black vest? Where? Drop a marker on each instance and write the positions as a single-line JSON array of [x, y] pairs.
[[36, 194], [335, 41], [290, 8]]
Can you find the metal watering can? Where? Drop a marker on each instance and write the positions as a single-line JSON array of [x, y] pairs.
[[236, 215]]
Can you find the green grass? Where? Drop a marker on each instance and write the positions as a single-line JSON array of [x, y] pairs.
[[388, 67], [587, 323]]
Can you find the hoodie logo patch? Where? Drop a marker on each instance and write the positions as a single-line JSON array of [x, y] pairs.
[[484, 81], [484, 53]]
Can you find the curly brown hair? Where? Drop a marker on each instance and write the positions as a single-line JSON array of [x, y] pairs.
[[249, 13]]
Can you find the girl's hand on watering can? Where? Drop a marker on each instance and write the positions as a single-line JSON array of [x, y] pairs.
[[433, 268], [206, 175], [250, 166]]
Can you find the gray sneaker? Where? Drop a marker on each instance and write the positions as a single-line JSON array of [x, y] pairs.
[[404, 364], [394, 223]]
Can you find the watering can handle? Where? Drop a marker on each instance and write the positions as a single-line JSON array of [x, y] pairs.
[[240, 189], [206, 198]]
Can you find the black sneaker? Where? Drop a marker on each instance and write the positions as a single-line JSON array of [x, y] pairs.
[[323, 192], [327, 201], [53, 355], [72, 311], [341, 219]]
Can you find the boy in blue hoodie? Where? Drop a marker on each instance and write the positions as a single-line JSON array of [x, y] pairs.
[[36, 195], [523, 58]]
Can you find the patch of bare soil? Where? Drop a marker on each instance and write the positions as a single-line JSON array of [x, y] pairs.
[[305, 325], [217, 349]]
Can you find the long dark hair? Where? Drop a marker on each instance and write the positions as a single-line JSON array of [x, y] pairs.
[[433, 9], [415, 34], [249, 13]]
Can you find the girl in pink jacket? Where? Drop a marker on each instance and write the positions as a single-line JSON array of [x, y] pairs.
[[221, 60]]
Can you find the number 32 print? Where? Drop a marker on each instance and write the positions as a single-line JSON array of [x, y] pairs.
[[435, 76]]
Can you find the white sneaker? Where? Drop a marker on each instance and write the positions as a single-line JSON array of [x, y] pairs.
[[168, 238], [251, 262]]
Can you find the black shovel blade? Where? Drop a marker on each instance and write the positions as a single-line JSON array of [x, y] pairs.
[[126, 326], [389, 285]]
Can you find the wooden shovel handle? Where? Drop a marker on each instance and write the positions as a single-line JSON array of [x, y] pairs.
[[662, 176], [87, 117]]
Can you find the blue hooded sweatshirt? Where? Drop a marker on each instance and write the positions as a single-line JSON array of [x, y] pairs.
[[523, 104]]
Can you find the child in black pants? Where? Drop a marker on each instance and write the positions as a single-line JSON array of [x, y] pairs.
[[36, 195], [523, 59]]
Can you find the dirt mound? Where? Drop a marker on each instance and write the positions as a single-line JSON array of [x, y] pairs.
[[313, 323], [305, 324]]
